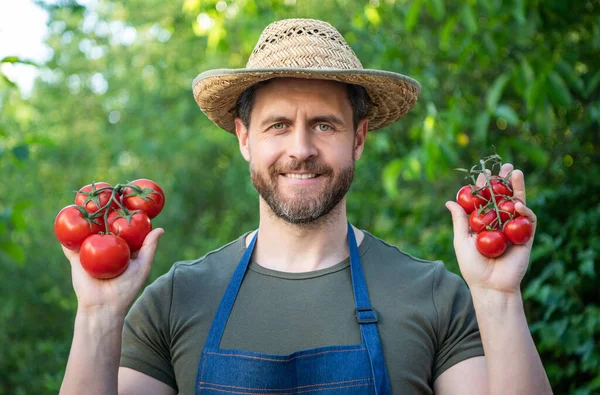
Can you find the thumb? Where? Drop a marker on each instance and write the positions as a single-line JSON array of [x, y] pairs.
[[146, 253], [460, 220]]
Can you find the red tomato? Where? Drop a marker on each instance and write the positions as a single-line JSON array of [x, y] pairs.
[[71, 227], [86, 199], [133, 229], [491, 243], [151, 199], [507, 209], [500, 186], [468, 199], [104, 256], [518, 230], [481, 221]]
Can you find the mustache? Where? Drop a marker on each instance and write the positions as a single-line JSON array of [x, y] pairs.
[[309, 166]]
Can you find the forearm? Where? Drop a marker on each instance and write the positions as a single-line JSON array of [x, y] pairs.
[[93, 363], [513, 363]]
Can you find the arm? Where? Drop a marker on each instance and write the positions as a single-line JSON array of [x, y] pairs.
[[93, 365], [512, 363]]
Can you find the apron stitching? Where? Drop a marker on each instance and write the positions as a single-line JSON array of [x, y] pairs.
[[203, 366], [283, 361], [284, 393], [288, 389]]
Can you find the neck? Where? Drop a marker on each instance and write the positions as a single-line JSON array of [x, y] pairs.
[[299, 248]]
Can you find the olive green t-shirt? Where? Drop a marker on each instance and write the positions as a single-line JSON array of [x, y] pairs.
[[426, 318]]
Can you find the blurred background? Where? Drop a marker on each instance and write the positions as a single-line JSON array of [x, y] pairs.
[[100, 90]]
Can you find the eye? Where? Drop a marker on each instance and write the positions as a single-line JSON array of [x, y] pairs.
[[322, 127], [278, 126]]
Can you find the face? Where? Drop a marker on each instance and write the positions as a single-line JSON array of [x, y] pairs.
[[301, 146]]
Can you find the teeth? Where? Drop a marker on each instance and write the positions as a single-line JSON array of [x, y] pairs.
[[300, 176]]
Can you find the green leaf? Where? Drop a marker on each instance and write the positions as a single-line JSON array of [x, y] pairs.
[[21, 152], [490, 45], [559, 93], [413, 15], [569, 74], [436, 8], [505, 111], [535, 93], [18, 214], [15, 59], [431, 153], [13, 250], [449, 153], [482, 124], [39, 140], [519, 11], [545, 119], [468, 18], [10, 59], [8, 81], [526, 71], [592, 84], [537, 155], [446, 37], [372, 15], [495, 91], [390, 175]]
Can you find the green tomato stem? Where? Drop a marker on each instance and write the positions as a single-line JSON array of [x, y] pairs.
[[493, 198]]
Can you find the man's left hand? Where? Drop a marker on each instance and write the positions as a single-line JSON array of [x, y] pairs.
[[504, 273]]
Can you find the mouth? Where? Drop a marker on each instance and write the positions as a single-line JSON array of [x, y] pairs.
[[298, 176]]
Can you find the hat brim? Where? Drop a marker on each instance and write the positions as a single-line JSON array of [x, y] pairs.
[[391, 95]]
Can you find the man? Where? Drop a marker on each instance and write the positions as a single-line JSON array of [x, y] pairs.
[[307, 303]]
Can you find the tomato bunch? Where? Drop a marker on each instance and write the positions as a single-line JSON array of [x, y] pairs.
[[492, 215], [106, 224]]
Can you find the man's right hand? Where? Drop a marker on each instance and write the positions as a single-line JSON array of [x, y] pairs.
[[93, 366], [116, 295]]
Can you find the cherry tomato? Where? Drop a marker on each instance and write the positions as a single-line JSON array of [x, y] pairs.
[[72, 227], [133, 229], [500, 186], [507, 209], [518, 230], [151, 200], [468, 199], [104, 256], [94, 203], [491, 243], [481, 221]]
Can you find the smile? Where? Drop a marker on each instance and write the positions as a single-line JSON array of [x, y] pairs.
[[299, 176]]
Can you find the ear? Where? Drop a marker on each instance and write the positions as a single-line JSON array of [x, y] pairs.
[[242, 135], [359, 137]]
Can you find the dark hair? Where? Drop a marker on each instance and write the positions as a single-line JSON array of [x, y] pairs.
[[356, 94]]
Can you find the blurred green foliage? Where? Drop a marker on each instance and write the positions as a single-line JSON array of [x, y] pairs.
[[114, 103]]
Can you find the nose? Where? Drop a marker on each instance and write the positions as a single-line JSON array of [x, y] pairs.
[[302, 145]]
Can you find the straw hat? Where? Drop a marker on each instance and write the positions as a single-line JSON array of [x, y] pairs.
[[304, 48]]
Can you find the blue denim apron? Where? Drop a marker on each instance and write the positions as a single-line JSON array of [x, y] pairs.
[[349, 369]]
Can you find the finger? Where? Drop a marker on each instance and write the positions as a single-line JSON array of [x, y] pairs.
[[518, 185], [506, 169], [460, 221], [68, 253], [526, 212], [146, 253], [530, 215], [481, 178]]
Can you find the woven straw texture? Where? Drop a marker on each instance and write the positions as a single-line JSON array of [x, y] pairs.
[[310, 49]]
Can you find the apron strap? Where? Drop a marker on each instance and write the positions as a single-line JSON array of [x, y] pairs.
[[367, 319], [218, 326]]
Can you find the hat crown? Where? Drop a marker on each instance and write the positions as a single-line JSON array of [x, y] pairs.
[[304, 44]]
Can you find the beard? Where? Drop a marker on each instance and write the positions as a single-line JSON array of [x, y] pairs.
[[302, 208]]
